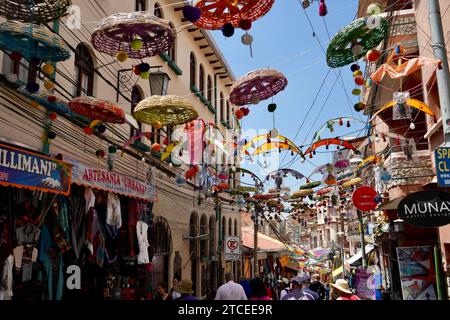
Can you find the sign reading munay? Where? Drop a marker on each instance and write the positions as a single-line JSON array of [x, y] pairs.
[[99, 178], [426, 208], [24, 169]]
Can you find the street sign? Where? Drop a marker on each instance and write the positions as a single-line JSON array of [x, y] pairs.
[[232, 248], [442, 159], [426, 209], [364, 198]]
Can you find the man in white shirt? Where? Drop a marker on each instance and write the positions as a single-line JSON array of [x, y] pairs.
[[230, 290]]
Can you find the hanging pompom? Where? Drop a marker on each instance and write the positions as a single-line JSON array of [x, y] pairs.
[[35, 61], [145, 75], [192, 14], [246, 111], [88, 130], [156, 147], [51, 98], [322, 8], [166, 141], [247, 39], [272, 107], [51, 135], [357, 73], [16, 56], [359, 106], [112, 149], [136, 70], [53, 116], [136, 44], [373, 55], [245, 24], [101, 128], [355, 67], [32, 87], [157, 125], [356, 92], [144, 67], [228, 30], [121, 56], [239, 114], [48, 69], [359, 80], [341, 122], [49, 85]]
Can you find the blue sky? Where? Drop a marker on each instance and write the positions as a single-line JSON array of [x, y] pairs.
[[283, 40]]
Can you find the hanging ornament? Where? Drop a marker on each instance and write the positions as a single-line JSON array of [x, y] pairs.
[[373, 55], [359, 106], [272, 107], [192, 14], [49, 85], [354, 67], [16, 56], [373, 9], [412, 126], [136, 44], [357, 73], [359, 80], [322, 8], [145, 75], [53, 116], [356, 92], [156, 147], [48, 69], [341, 122], [245, 111], [51, 98], [348, 124], [247, 39], [136, 70], [88, 130], [157, 125], [228, 30], [101, 128], [245, 24], [51, 135], [239, 114], [122, 56], [12, 77], [398, 141], [180, 180], [255, 100]]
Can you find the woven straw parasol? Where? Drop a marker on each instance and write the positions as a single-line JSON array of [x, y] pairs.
[[263, 84], [352, 182], [168, 110], [32, 41], [42, 98], [34, 11], [302, 193], [216, 13], [97, 109], [115, 33]]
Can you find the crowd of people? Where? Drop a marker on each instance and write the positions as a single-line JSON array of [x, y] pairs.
[[300, 287]]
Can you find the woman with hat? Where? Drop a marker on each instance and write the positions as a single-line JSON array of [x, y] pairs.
[[185, 289], [284, 287], [341, 291]]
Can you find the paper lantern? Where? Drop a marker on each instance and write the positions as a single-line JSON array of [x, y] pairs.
[[373, 55], [359, 106], [157, 125]]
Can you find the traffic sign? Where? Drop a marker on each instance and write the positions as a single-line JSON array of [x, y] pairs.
[[364, 198], [232, 248]]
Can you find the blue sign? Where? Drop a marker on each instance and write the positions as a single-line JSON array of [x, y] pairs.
[[442, 158], [24, 169]]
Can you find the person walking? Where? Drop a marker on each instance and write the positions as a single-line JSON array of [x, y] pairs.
[[297, 292], [258, 290], [185, 290], [341, 291], [306, 281], [230, 290], [284, 287], [175, 295], [162, 292], [317, 286]]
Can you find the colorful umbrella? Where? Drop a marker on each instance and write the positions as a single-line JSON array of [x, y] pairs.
[[327, 142], [419, 105], [97, 109]]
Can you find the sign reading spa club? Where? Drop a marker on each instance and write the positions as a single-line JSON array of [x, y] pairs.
[[426, 209]]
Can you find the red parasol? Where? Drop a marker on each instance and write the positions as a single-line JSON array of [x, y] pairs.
[[97, 109]]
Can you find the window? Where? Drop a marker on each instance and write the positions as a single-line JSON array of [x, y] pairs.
[[193, 232], [201, 80], [230, 227], [228, 113], [26, 72], [235, 227], [222, 111], [171, 51], [158, 11], [224, 227], [193, 73], [161, 237], [212, 236], [204, 241], [210, 89], [84, 67], [136, 97], [141, 5]]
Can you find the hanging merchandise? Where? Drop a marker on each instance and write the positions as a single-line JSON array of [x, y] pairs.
[[353, 41], [34, 11], [257, 86], [135, 35], [323, 11]]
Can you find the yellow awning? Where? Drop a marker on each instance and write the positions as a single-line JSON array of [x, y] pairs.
[[337, 272]]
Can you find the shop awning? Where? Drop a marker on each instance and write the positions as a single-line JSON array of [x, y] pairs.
[[391, 205], [337, 272], [358, 256], [265, 243]]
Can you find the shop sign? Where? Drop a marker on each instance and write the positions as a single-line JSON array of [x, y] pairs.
[[426, 208], [232, 248], [442, 158], [24, 169], [98, 178]]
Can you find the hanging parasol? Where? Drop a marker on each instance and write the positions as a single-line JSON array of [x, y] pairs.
[[165, 110], [276, 145], [256, 86], [352, 182], [324, 191], [341, 50], [327, 142], [97, 109], [331, 124], [399, 66], [216, 13], [34, 11], [32, 41], [368, 160], [138, 34], [284, 172], [264, 137], [311, 185], [419, 105], [48, 101], [302, 193]]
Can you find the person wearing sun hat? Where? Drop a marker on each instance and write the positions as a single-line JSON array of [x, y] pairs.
[[341, 291], [284, 287], [185, 289]]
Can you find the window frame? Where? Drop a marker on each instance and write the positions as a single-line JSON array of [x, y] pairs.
[[84, 66]]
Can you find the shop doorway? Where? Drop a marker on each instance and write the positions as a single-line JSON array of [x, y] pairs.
[[161, 240]]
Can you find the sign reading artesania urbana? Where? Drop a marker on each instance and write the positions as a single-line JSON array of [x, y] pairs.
[[426, 209], [24, 169]]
